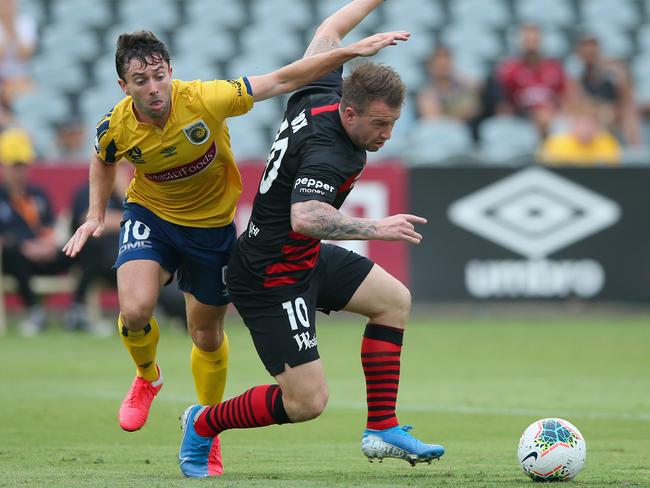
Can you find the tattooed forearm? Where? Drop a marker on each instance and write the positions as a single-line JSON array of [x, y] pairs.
[[320, 220], [321, 44]]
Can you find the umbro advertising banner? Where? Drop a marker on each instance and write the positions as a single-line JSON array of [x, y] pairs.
[[531, 233], [380, 191]]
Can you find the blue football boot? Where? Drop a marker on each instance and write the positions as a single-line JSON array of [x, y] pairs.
[[397, 443], [198, 457]]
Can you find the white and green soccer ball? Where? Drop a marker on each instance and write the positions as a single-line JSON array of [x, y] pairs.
[[552, 450]]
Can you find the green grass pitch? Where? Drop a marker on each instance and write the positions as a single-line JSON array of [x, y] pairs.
[[472, 385]]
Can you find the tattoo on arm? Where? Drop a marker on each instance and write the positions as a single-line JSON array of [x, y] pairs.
[[325, 222], [321, 44]]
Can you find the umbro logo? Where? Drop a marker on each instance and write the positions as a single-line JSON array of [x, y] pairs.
[[169, 151], [534, 212]]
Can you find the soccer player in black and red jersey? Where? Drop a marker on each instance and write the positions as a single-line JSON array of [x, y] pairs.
[[280, 273]]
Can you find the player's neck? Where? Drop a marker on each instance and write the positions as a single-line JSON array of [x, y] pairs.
[[144, 119]]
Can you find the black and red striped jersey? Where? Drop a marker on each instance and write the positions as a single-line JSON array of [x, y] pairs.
[[312, 158]]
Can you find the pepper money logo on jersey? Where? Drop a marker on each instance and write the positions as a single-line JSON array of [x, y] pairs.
[[534, 212], [312, 186], [197, 133]]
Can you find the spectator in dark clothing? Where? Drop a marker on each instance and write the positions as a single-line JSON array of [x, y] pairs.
[[97, 258], [27, 234], [608, 84]]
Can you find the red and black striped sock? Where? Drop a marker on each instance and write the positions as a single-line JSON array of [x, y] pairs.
[[259, 406], [380, 357]]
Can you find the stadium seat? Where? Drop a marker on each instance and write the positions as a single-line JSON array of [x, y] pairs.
[[59, 72], [78, 12], [416, 14], [475, 39], [326, 8], [204, 18], [285, 13], [643, 38], [69, 39], [504, 138], [254, 63], [249, 139], [97, 101], [620, 13], [436, 140], [558, 13], [491, 13], [157, 14], [194, 42], [267, 40], [614, 40], [471, 66]]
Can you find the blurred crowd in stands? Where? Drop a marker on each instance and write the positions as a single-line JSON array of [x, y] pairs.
[[529, 107]]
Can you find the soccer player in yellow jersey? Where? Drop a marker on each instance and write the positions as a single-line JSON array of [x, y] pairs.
[[179, 208]]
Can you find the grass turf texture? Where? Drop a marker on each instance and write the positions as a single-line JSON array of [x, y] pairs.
[[471, 385]]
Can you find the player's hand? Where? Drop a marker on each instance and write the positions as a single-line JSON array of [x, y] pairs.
[[400, 227], [375, 43], [92, 227]]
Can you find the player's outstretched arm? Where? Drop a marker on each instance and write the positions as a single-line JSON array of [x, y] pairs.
[[321, 220], [306, 70], [102, 178], [332, 30]]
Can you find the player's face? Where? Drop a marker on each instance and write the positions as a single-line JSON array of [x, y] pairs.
[[150, 87], [371, 129]]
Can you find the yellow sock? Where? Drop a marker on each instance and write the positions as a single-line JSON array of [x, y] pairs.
[[210, 370], [142, 345]]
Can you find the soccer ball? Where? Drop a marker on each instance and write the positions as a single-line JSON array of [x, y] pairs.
[[552, 450]]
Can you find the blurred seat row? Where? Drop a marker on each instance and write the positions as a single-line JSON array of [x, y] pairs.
[[74, 66]]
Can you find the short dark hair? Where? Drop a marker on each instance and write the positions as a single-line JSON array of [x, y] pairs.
[[141, 45], [369, 82]]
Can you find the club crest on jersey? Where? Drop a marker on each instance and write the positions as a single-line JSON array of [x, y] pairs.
[[197, 133]]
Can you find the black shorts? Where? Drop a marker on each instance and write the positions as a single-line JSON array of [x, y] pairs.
[[283, 327]]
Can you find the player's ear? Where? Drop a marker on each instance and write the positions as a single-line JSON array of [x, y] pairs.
[[123, 86], [349, 113]]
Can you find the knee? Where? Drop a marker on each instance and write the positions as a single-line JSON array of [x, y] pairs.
[[136, 315], [306, 407], [402, 301], [207, 336], [396, 306], [207, 339]]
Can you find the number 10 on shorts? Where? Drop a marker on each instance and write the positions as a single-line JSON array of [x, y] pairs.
[[299, 310]]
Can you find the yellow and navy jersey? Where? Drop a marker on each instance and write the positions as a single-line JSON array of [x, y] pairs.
[[185, 172]]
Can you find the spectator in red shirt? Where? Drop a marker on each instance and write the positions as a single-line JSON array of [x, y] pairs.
[[533, 86]]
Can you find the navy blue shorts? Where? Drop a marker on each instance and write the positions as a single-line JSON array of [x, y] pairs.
[[198, 256]]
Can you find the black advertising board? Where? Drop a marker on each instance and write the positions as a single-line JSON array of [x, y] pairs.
[[531, 233]]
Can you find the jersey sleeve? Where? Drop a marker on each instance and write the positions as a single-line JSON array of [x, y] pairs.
[[227, 98], [322, 174], [106, 145]]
